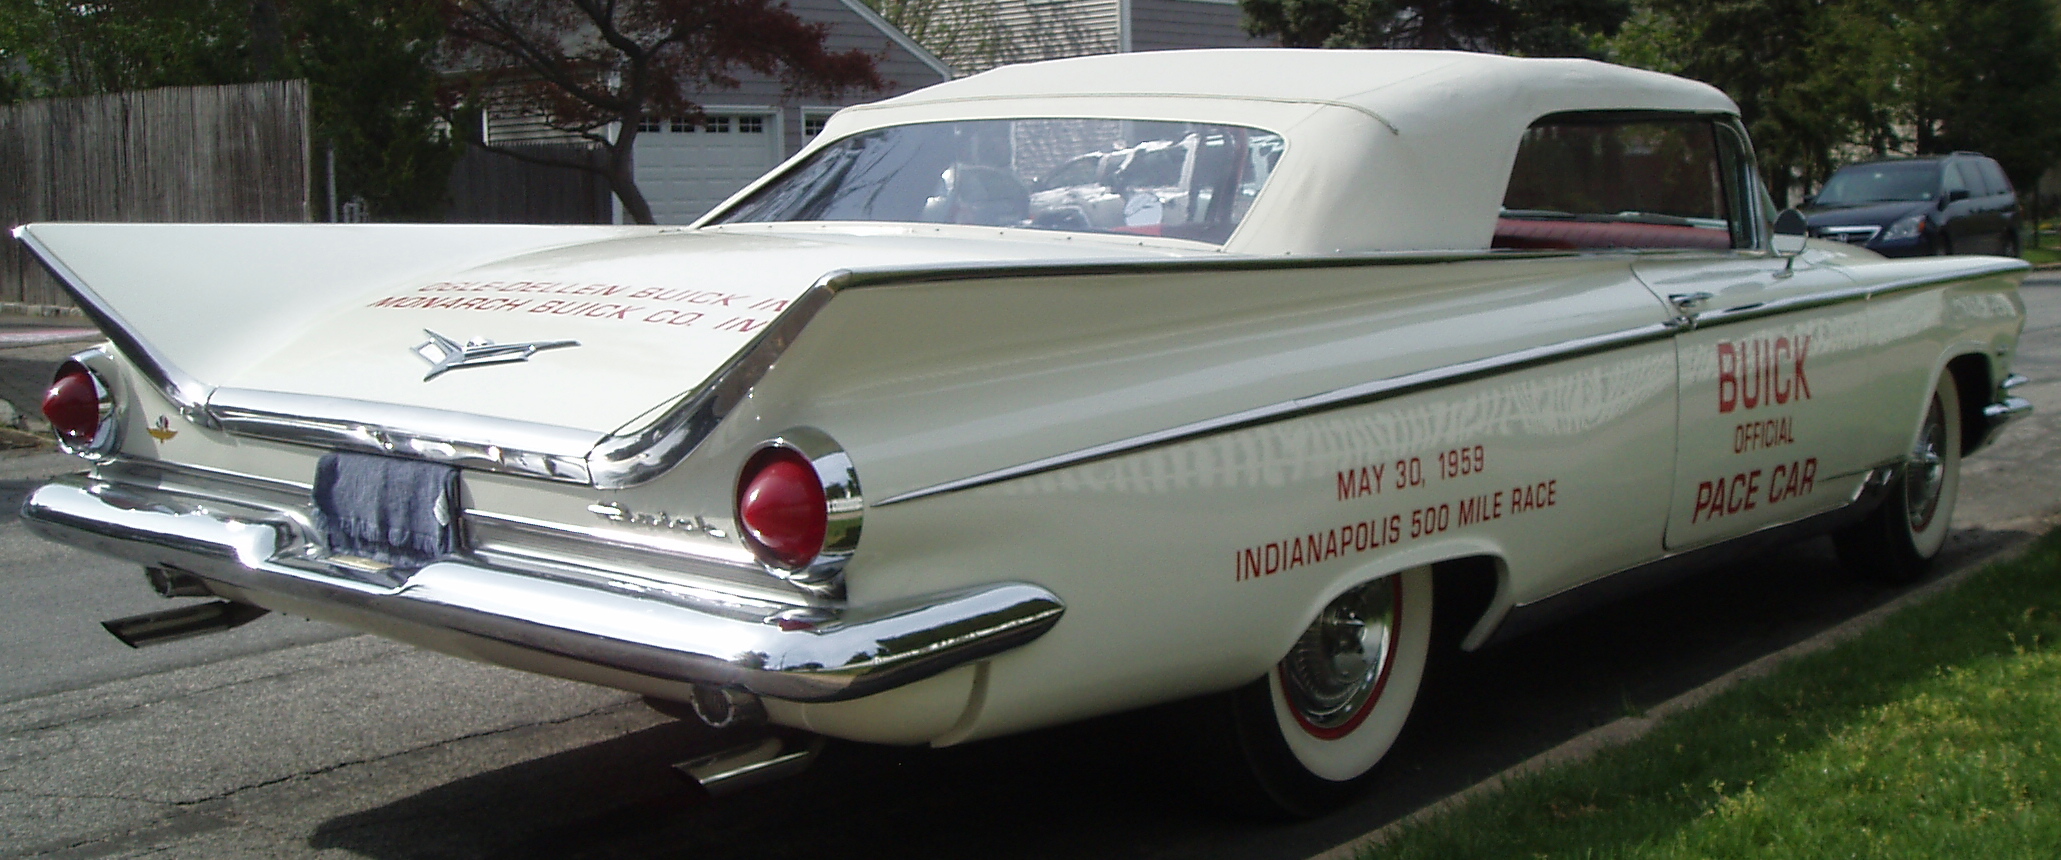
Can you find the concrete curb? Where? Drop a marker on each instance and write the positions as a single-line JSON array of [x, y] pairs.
[[1627, 729]]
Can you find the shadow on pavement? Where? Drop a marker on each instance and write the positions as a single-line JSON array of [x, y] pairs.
[[1106, 788]]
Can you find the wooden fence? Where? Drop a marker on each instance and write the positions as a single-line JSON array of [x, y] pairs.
[[491, 188], [187, 154]]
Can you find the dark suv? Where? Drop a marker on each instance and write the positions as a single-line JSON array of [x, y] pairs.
[[1906, 207]]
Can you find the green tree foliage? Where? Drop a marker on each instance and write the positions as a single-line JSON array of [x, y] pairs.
[[595, 69], [373, 94], [1986, 76], [371, 88], [1822, 84], [1530, 27]]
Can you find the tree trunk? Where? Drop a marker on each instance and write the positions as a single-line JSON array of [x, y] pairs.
[[622, 175]]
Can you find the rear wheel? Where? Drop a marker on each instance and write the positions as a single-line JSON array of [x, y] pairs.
[[1305, 738], [1898, 541], [2009, 248]]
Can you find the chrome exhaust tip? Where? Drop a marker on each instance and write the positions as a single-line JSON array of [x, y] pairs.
[[137, 631], [173, 582], [752, 764]]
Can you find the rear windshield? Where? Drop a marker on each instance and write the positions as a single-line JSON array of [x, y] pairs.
[[1181, 180]]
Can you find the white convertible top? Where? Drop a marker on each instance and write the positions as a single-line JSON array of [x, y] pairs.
[[1385, 150], [1391, 84]]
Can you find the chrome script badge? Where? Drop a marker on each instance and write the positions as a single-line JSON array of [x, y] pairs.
[[443, 353]]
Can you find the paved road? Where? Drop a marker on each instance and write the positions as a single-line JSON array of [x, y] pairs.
[[293, 738]]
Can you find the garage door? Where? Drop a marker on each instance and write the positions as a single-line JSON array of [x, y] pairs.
[[686, 169]]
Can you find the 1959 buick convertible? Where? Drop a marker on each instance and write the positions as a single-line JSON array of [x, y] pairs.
[[880, 450]]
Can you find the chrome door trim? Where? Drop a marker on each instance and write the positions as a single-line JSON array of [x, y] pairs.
[[1855, 293]]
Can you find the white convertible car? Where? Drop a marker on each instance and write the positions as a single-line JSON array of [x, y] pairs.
[[872, 451]]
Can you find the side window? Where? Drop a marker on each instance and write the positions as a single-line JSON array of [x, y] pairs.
[[1954, 180], [1615, 180], [1998, 182]]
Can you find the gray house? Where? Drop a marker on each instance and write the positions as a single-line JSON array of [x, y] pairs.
[[1028, 30], [685, 168]]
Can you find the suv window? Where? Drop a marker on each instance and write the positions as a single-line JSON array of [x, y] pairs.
[[1954, 179], [1881, 182], [1999, 183], [1616, 180]]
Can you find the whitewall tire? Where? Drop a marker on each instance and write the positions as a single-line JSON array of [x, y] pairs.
[[1305, 738], [1898, 541]]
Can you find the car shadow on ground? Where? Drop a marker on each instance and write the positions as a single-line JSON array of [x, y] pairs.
[[1111, 787]]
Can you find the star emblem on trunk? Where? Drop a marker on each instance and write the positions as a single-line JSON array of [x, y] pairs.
[[444, 353]]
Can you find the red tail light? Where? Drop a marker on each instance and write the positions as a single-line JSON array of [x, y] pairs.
[[78, 405], [782, 508]]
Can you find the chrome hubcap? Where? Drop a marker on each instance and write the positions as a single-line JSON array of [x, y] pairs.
[[1339, 662], [1925, 471]]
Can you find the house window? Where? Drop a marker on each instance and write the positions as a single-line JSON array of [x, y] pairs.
[[650, 124], [717, 125], [812, 124], [682, 124], [751, 125]]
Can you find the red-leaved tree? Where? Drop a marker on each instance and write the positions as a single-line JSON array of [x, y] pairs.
[[596, 68]]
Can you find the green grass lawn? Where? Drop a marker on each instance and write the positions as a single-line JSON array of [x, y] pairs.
[[1937, 734], [2046, 254]]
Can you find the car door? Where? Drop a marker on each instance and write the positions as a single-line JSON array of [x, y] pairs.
[[1766, 374], [1960, 204], [1999, 205], [1676, 193], [1764, 365]]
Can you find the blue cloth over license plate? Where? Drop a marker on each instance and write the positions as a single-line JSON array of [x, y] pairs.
[[401, 514]]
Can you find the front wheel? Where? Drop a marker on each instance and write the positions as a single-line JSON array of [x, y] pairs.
[[1302, 740], [1898, 541]]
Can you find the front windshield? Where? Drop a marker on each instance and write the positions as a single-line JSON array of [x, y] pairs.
[[1881, 183], [1175, 179]]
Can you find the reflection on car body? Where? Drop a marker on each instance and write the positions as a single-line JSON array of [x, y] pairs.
[[1015, 401]]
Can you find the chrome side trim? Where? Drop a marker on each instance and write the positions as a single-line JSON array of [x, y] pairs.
[[461, 439], [1353, 395], [188, 395], [1545, 611], [2012, 381], [620, 461], [807, 654], [1851, 294], [1437, 377]]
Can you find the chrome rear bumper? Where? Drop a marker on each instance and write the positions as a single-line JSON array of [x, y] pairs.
[[655, 629]]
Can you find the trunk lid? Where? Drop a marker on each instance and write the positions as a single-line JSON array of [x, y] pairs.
[[360, 314]]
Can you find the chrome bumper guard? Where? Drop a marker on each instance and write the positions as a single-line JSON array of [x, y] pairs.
[[2006, 409], [659, 630]]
